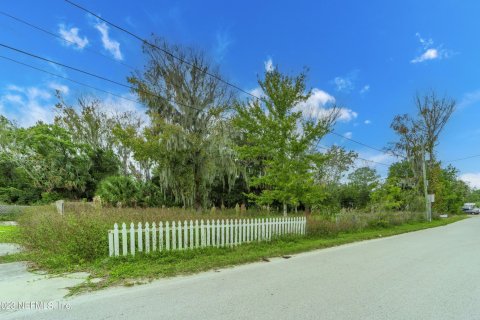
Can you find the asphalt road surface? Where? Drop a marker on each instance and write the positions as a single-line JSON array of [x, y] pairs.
[[430, 274]]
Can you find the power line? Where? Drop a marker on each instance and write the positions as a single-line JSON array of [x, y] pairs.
[[469, 157], [95, 75], [91, 50], [383, 164], [368, 146], [144, 41], [31, 25], [69, 79], [136, 101]]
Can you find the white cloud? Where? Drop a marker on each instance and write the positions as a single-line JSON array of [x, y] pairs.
[[346, 83], [269, 65], [429, 52], [72, 37], [343, 84], [472, 179], [27, 105], [347, 115], [348, 134], [365, 89], [317, 106], [109, 44], [367, 122]]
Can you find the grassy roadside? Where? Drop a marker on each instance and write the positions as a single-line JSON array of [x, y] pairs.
[[9, 234], [144, 268]]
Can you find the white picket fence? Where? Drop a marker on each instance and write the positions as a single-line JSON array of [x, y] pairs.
[[199, 234]]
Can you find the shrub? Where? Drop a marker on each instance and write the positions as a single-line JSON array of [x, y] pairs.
[[120, 191], [321, 227], [70, 239]]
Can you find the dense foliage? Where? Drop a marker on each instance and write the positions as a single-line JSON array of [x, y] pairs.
[[199, 145]]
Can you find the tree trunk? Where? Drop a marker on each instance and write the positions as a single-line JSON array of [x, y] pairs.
[[307, 210], [284, 209]]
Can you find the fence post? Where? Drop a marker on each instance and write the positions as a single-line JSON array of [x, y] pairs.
[[147, 237], [160, 236], [116, 239], [202, 234], [177, 237], [174, 236], [180, 242], [140, 237], [219, 233], [227, 233], [191, 235], [214, 233], [154, 236], [167, 236], [185, 234], [222, 238], [239, 230], [124, 239], [207, 243], [132, 239], [237, 233], [197, 235], [232, 228]]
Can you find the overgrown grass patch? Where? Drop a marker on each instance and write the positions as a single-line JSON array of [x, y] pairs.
[[78, 242]]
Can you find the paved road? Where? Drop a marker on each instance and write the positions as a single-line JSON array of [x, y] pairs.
[[431, 274]]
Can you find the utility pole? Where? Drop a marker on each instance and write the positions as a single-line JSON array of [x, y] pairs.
[[428, 204]]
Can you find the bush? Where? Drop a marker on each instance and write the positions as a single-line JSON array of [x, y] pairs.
[[119, 191], [71, 239], [11, 195], [321, 227]]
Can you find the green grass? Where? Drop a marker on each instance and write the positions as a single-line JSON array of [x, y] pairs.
[[143, 268], [9, 234], [11, 216]]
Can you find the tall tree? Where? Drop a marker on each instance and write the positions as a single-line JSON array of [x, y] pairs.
[[188, 139], [421, 133], [91, 123], [279, 139]]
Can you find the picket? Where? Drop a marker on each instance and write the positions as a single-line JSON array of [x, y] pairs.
[[124, 239], [202, 234], [176, 235], [140, 238], [132, 239], [115, 239], [197, 236], [180, 243], [167, 236], [185, 234], [160, 236], [154, 237], [207, 243], [147, 238]]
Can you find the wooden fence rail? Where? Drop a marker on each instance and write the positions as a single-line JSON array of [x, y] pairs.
[[176, 235]]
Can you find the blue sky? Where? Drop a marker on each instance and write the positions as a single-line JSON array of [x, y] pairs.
[[370, 57]]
